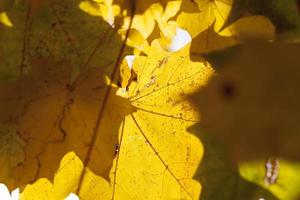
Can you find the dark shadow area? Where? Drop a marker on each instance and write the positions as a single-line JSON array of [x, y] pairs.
[[219, 57], [60, 58], [284, 14], [212, 47]]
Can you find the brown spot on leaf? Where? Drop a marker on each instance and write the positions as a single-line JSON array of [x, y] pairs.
[[228, 90]]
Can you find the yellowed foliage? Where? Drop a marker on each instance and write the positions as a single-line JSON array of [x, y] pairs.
[[4, 19], [205, 20], [73, 120], [250, 28], [145, 151], [150, 136], [199, 15], [151, 15], [53, 105], [54, 108], [245, 29], [66, 181], [12, 153], [105, 9]]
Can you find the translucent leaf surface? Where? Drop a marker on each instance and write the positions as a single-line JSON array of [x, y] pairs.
[[58, 89]]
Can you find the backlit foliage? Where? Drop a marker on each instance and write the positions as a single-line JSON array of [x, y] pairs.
[[98, 101]]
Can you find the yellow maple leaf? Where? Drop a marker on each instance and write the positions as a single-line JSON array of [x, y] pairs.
[[199, 15], [256, 27], [151, 136], [243, 30], [66, 181], [147, 16], [207, 23], [66, 126], [144, 162], [58, 86], [62, 99], [145, 150], [156, 14], [105, 9]]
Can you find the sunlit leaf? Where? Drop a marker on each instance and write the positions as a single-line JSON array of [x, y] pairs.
[[199, 15], [243, 30], [5, 20], [287, 182], [154, 146], [65, 182], [83, 116]]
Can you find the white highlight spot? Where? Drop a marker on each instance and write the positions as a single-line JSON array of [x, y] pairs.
[[5, 195], [130, 60], [15, 194], [110, 16], [72, 196], [111, 22], [181, 39]]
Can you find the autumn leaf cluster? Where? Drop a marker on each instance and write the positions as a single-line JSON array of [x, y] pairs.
[[153, 99]]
